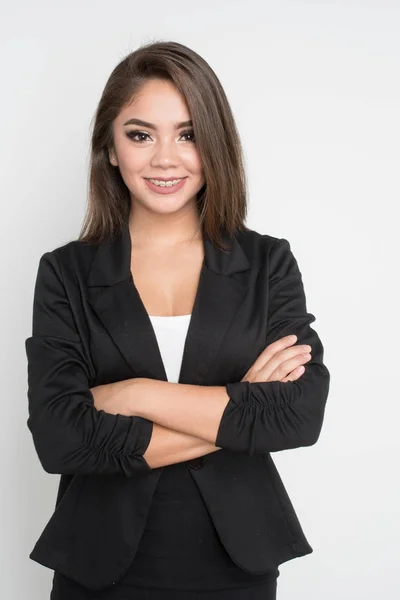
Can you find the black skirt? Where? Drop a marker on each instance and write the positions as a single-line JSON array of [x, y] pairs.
[[180, 555]]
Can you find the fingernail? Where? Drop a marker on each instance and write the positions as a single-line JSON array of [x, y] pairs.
[[292, 337]]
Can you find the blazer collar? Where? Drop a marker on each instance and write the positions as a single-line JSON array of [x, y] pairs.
[[223, 284], [112, 260]]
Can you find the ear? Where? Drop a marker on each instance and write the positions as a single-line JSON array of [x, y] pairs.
[[112, 157]]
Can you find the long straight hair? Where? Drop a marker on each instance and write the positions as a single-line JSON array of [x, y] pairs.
[[222, 201]]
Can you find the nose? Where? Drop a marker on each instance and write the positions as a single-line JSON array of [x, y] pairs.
[[165, 154]]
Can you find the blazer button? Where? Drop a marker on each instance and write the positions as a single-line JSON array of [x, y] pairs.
[[196, 463]]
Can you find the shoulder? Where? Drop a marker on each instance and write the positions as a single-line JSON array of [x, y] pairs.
[[251, 236], [255, 243], [265, 251], [71, 258]]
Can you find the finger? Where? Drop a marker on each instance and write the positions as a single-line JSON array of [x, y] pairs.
[[284, 368], [272, 349], [294, 374], [283, 362], [289, 355]]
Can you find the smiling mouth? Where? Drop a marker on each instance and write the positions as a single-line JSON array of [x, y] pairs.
[[162, 183], [165, 187], [164, 179]]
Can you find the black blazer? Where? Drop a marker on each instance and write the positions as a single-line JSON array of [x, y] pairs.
[[90, 327]]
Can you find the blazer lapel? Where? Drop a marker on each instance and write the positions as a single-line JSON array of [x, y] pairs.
[[117, 303]]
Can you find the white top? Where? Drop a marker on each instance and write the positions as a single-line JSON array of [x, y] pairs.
[[171, 336]]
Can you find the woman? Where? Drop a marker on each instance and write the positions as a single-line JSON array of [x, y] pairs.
[[161, 368]]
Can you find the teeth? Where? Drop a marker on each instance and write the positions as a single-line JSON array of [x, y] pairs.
[[165, 183]]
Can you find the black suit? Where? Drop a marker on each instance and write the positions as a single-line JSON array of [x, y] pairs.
[[90, 327]]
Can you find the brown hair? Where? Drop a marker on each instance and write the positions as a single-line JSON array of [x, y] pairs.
[[222, 201]]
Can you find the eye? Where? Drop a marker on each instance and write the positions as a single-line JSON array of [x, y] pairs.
[[189, 132], [132, 135]]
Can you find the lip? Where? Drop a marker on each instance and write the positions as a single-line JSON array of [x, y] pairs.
[[164, 178], [164, 190]]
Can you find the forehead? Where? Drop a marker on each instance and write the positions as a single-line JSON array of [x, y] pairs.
[[158, 101]]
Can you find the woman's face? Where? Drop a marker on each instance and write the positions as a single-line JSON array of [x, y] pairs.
[[163, 148]]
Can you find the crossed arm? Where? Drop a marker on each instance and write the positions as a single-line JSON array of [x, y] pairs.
[[185, 417], [173, 422], [251, 417]]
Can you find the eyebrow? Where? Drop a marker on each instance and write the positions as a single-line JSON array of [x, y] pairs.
[[152, 126]]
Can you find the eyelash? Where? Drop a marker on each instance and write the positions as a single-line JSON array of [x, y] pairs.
[[133, 133]]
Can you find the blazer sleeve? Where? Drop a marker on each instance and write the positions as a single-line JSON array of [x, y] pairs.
[[264, 417], [70, 435]]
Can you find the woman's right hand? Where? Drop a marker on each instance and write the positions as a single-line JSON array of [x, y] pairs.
[[280, 361]]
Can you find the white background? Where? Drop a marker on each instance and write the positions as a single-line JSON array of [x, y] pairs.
[[314, 87]]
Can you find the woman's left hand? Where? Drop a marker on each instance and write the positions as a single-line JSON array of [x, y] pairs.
[[114, 398]]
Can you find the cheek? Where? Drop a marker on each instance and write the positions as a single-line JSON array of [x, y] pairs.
[[132, 162], [192, 160]]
